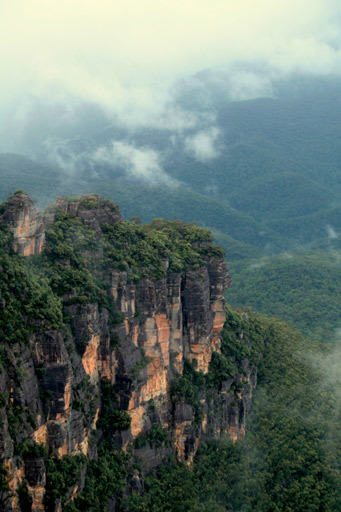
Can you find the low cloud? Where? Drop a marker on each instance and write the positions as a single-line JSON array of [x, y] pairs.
[[58, 152], [125, 56], [203, 145], [179, 120], [140, 163], [332, 234], [262, 262], [249, 86]]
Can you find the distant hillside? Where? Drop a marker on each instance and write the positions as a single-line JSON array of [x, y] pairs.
[[273, 181], [320, 227], [290, 457], [44, 182], [237, 231], [283, 195], [303, 290]]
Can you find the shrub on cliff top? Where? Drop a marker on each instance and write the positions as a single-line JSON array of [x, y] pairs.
[[27, 302], [61, 474], [92, 201], [77, 258], [4, 487], [111, 417], [155, 437], [151, 249], [69, 270]]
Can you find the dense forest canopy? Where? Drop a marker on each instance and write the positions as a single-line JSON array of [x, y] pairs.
[[271, 198], [290, 457], [301, 289]]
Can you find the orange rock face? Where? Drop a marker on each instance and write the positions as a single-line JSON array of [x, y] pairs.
[[165, 322], [26, 224], [15, 479], [137, 423], [40, 435], [90, 357], [179, 317], [37, 495]]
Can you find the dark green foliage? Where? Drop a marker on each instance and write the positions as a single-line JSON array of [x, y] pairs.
[[78, 404], [115, 317], [26, 301], [142, 363], [76, 260], [243, 335], [301, 289], [105, 478], [4, 487], [94, 201], [61, 474], [207, 487], [169, 489], [221, 368], [141, 250], [15, 416], [40, 371], [155, 437], [190, 386], [290, 458], [25, 500], [5, 234], [68, 268], [293, 449], [111, 417], [30, 450], [3, 400], [3, 476]]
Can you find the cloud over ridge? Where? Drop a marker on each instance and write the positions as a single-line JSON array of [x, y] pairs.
[[125, 54]]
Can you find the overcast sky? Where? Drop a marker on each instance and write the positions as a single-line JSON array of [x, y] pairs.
[[125, 53]]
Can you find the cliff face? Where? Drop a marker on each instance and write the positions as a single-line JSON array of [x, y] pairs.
[[52, 386], [26, 223]]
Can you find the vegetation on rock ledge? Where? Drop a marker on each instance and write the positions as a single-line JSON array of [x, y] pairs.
[[290, 458]]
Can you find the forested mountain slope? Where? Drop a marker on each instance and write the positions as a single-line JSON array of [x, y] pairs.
[[270, 177], [290, 457], [106, 328], [237, 230], [119, 357], [301, 289]]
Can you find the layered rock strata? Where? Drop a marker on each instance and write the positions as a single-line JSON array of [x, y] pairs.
[[26, 223], [54, 383]]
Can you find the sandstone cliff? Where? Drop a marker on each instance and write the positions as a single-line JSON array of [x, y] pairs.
[[26, 223], [116, 364]]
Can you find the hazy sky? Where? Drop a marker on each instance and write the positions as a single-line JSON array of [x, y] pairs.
[[125, 53]]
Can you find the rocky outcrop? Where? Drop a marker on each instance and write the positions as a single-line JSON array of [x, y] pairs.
[[26, 223], [178, 317], [55, 382], [83, 208]]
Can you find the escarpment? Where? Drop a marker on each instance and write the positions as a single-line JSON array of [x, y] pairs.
[[112, 342], [26, 223]]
